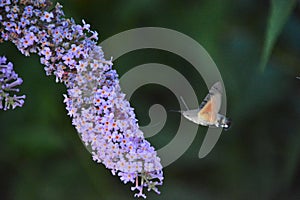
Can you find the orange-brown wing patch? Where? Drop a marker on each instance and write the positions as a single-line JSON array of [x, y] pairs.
[[207, 108], [206, 113]]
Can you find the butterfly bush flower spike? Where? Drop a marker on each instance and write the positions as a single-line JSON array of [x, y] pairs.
[[9, 80], [104, 119]]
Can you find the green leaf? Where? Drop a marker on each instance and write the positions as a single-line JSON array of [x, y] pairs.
[[280, 11]]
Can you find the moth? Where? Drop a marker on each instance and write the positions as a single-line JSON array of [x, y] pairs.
[[208, 112]]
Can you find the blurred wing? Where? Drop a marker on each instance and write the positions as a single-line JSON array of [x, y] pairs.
[[211, 104]]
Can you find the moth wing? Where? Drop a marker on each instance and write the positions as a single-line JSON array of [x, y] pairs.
[[211, 104], [214, 90]]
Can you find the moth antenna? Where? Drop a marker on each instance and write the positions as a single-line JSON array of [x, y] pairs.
[[181, 98]]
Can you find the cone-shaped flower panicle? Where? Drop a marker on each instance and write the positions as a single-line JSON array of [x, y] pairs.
[[102, 116]]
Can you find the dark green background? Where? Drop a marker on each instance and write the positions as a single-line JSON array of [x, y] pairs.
[[41, 156]]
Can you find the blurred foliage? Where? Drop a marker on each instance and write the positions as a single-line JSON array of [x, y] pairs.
[[280, 11], [258, 158]]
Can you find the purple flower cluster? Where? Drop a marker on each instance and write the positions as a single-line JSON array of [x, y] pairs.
[[108, 126], [8, 81], [102, 116]]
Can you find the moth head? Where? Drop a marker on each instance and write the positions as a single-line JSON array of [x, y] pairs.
[[227, 124]]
